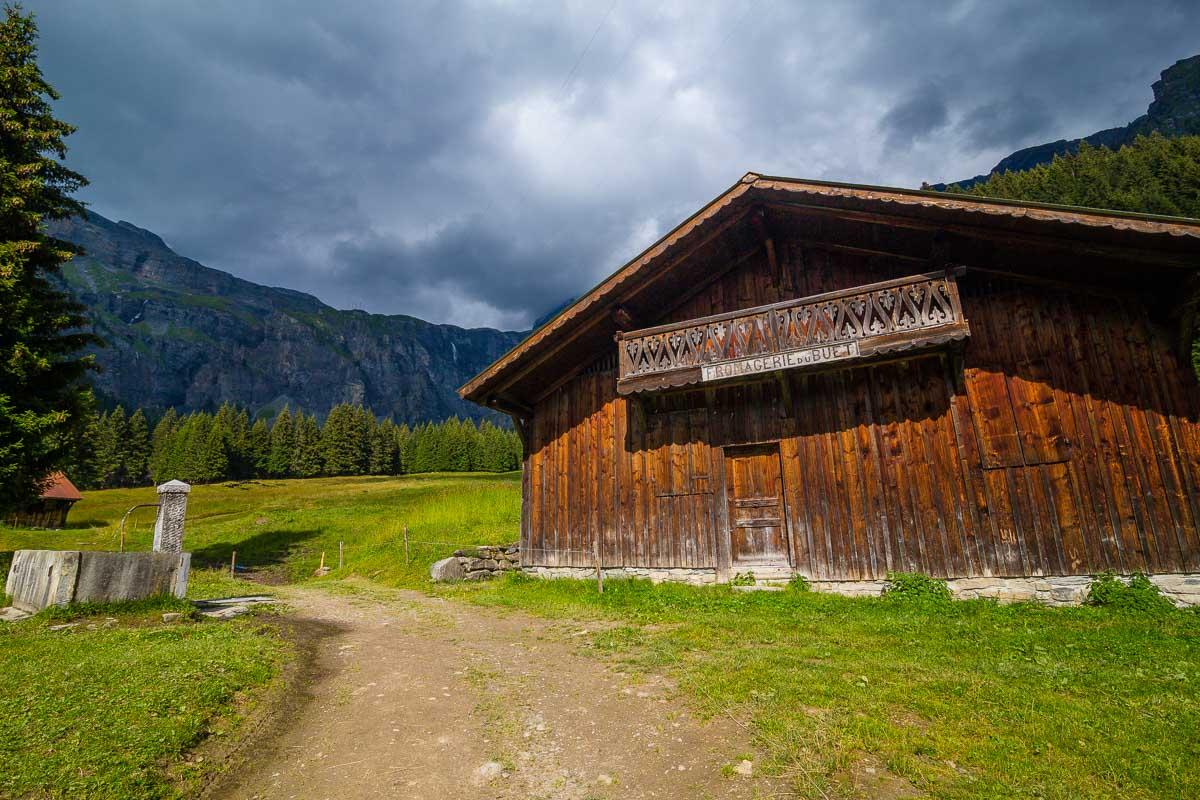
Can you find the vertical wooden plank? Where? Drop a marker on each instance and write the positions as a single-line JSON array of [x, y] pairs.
[[623, 500], [1182, 400], [639, 484], [854, 489], [1167, 501], [973, 496], [947, 494], [1124, 493], [1100, 521], [892, 451], [826, 462]]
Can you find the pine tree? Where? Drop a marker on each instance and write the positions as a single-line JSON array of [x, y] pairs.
[[161, 446], [258, 449], [384, 450], [403, 449], [237, 443], [44, 398], [283, 440], [332, 444], [214, 458], [137, 450], [190, 455], [111, 450], [306, 448], [421, 451], [81, 469], [344, 446]]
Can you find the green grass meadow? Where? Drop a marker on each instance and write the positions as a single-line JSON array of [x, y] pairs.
[[282, 527], [111, 707], [953, 700]]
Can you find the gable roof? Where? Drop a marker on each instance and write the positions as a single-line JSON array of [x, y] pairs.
[[1166, 241], [59, 487]]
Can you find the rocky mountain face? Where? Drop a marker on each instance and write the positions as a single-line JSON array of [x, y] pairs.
[[186, 336], [1175, 111]]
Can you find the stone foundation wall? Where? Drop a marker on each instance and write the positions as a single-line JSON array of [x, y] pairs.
[[476, 563], [694, 576], [1182, 589], [1054, 590]]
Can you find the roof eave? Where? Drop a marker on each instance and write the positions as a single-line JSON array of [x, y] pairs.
[[483, 385]]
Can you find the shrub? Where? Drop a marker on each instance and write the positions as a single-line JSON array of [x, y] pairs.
[[743, 579], [799, 583], [916, 587], [1140, 594]]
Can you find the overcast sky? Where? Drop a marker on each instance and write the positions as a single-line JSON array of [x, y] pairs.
[[477, 163]]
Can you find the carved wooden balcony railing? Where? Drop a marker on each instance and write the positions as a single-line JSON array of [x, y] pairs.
[[810, 332]]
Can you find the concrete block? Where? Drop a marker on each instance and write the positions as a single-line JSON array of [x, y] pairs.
[[42, 578], [38, 579]]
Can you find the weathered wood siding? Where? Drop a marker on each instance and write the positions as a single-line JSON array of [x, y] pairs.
[[1066, 442], [42, 514]]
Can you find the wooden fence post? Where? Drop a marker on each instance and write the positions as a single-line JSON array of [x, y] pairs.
[[341, 559], [599, 570], [233, 564], [406, 544]]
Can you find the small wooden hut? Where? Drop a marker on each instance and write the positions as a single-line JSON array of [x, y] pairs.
[[842, 381], [50, 510]]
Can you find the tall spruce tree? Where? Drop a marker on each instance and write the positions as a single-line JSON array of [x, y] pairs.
[[403, 444], [44, 397], [283, 440], [82, 466], [137, 450], [162, 446], [384, 450], [258, 448], [111, 453], [214, 458], [306, 447], [345, 448]]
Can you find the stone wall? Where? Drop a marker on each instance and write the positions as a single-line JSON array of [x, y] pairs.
[[476, 563], [1053, 590], [1182, 589], [41, 578]]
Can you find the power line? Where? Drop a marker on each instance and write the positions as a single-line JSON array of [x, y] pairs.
[[570, 75]]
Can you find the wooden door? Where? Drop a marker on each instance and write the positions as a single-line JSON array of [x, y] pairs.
[[754, 492]]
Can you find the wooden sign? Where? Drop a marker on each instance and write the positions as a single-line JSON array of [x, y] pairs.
[[770, 363], [902, 314]]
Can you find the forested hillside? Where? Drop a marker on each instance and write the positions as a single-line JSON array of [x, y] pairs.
[[1175, 111], [1153, 175], [123, 450]]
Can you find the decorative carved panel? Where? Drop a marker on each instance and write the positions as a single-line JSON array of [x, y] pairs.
[[917, 311]]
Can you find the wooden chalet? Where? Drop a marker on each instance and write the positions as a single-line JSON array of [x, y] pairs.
[[842, 381], [49, 510]]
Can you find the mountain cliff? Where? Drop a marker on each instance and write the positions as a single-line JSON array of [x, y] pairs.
[[186, 336], [1175, 111]]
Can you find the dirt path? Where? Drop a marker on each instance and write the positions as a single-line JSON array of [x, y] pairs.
[[416, 697]]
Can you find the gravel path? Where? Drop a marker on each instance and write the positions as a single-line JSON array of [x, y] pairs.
[[416, 697]]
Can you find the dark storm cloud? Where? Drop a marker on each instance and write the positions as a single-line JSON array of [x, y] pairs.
[[476, 163], [921, 113], [1012, 121]]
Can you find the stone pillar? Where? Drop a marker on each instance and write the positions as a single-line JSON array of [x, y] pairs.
[[172, 508]]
